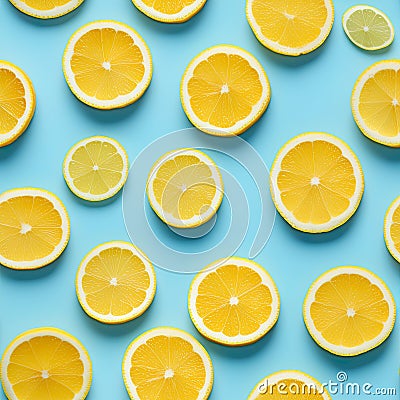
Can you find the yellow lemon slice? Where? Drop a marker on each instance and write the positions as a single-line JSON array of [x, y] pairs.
[[316, 182], [115, 283], [17, 102], [46, 364], [289, 385], [174, 11], [376, 102], [167, 363], [34, 228], [349, 311], [392, 229], [291, 28], [367, 27], [185, 188], [233, 302], [45, 9], [107, 65], [224, 90], [96, 168]]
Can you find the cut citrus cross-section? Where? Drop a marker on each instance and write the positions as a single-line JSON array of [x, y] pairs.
[[349, 311], [185, 188], [233, 302], [224, 90], [115, 283], [34, 228], [172, 11], [17, 102], [316, 182], [392, 229], [293, 385], [167, 363], [96, 168], [46, 8], [291, 27], [46, 364], [107, 64], [376, 102]]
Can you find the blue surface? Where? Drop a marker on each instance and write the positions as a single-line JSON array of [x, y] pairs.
[[308, 93]]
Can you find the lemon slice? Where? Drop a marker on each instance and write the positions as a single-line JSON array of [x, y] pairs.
[[291, 28], [173, 11], [224, 90], [291, 385], [17, 102], [233, 302], [316, 182], [34, 228], [107, 65], [367, 27], [115, 283], [96, 168], [46, 364], [376, 102], [45, 9], [167, 363], [349, 311], [185, 188], [392, 229]]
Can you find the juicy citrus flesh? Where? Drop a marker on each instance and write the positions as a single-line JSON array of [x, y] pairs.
[[392, 229], [44, 5], [368, 27], [116, 283], [168, 7], [46, 8], [97, 168]]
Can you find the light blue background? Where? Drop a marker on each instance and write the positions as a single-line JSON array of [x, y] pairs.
[[308, 93]]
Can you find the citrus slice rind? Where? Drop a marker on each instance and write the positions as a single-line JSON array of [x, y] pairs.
[[255, 75], [106, 66], [353, 308], [174, 16], [9, 135], [8, 367], [376, 85], [360, 27], [270, 19], [126, 277], [344, 154], [10, 231], [202, 365], [233, 299], [392, 222], [105, 166], [28, 8], [289, 384], [174, 216]]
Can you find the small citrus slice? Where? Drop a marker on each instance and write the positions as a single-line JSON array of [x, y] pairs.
[[115, 283], [45, 9], [392, 229], [367, 27], [376, 102], [167, 363], [291, 28], [173, 11], [46, 364], [233, 302], [96, 168], [349, 311], [34, 228], [185, 188], [107, 65], [17, 102], [224, 90], [289, 385], [316, 182]]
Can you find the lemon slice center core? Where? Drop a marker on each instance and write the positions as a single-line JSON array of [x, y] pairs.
[[315, 181], [169, 373], [106, 65], [95, 167], [290, 17], [350, 312], [234, 301], [395, 102], [45, 374], [366, 28], [113, 281], [25, 228], [224, 88]]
